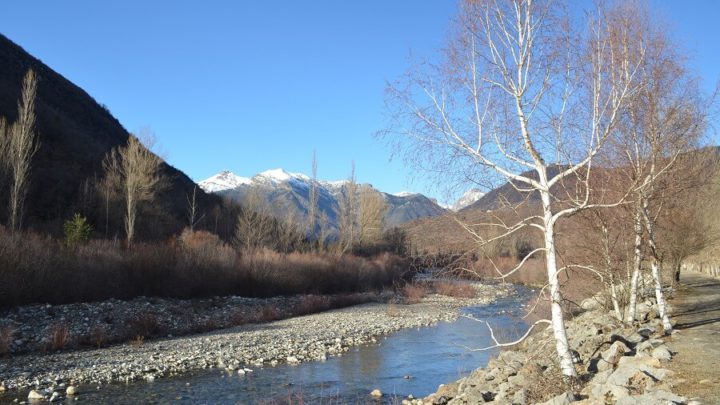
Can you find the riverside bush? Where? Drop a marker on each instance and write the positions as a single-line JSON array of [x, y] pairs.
[[37, 268]]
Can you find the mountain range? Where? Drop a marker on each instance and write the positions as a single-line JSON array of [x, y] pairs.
[[288, 193]]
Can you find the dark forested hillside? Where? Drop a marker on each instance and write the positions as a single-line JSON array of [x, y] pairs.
[[75, 133]]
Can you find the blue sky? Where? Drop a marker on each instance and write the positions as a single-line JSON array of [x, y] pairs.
[[253, 85]]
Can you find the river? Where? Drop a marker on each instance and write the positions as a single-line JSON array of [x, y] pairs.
[[411, 361]]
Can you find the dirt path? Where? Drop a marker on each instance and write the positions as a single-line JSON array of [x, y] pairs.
[[696, 308]]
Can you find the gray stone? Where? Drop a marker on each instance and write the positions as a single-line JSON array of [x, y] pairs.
[[590, 304], [562, 399], [520, 397], [652, 398], [648, 345], [661, 353], [609, 391], [612, 355]]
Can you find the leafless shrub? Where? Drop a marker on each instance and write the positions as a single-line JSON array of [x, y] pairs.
[[392, 310], [455, 289], [138, 341], [239, 318], [7, 333], [197, 264], [98, 336], [310, 304], [145, 325], [414, 293], [545, 385], [59, 336], [269, 313]]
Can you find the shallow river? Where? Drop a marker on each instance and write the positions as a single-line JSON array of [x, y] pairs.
[[412, 361]]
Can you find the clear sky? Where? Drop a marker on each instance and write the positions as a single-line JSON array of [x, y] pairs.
[[253, 85]]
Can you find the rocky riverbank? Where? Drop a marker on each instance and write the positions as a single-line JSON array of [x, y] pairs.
[[616, 364], [238, 349], [44, 328]]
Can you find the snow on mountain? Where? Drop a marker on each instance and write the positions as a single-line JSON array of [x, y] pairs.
[[280, 176], [225, 180], [466, 199], [287, 192], [404, 194]]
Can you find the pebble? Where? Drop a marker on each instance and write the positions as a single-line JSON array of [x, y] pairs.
[[34, 395]]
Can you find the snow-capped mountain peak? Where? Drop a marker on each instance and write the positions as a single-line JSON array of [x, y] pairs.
[[288, 194], [467, 199], [280, 175], [225, 180], [404, 194]]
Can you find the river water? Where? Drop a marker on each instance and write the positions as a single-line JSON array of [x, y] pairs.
[[411, 361]]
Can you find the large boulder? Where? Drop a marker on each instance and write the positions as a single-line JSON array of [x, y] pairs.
[[611, 356]]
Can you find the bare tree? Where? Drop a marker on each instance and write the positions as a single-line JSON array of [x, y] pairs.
[[137, 173], [254, 228], [323, 224], [348, 214], [21, 148], [109, 186], [289, 231], [192, 210], [520, 88], [687, 224], [371, 216], [4, 153], [665, 120], [313, 199]]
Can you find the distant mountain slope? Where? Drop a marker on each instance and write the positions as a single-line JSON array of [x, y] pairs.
[[508, 193], [75, 133], [468, 198], [288, 194]]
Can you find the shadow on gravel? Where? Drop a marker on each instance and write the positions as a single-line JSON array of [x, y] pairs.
[[689, 325]]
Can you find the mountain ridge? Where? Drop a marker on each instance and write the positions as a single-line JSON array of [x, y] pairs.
[[281, 190]]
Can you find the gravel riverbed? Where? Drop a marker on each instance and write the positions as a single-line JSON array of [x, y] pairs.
[[238, 349]]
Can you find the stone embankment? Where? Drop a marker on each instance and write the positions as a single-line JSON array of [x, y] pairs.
[[239, 349], [616, 364]]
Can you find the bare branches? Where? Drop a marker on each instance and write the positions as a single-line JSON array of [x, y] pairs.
[[192, 210], [498, 344], [137, 173], [20, 149]]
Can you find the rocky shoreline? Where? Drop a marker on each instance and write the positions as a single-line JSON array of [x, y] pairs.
[[617, 364], [239, 349]]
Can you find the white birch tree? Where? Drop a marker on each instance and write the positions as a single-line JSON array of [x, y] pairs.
[[665, 120], [520, 88]]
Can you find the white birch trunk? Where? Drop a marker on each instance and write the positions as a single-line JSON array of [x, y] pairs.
[[558, 322], [637, 227], [614, 299], [656, 271]]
